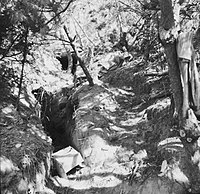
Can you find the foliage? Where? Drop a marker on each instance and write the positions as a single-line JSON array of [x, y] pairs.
[[126, 26], [17, 16], [8, 80], [23, 25]]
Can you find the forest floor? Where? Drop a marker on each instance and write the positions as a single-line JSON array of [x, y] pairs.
[[137, 117], [135, 123]]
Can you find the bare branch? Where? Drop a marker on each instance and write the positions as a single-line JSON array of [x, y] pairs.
[[132, 9], [25, 51], [62, 11], [83, 31], [11, 45], [85, 70]]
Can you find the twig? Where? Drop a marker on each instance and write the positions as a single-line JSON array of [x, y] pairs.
[[25, 51], [140, 2], [85, 70], [83, 31], [136, 35], [57, 38], [136, 11], [11, 44], [79, 37], [62, 11]]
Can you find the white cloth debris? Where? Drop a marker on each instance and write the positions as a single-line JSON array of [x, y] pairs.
[[66, 159]]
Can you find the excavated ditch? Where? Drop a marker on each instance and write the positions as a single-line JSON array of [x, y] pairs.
[[57, 116], [118, 144]]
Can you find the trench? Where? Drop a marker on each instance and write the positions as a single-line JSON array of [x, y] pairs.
[[57, 116]]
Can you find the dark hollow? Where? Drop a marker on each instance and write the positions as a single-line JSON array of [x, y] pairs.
[[63, 59], [57, 117]]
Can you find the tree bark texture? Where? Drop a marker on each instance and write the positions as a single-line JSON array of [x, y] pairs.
[[174, 76], [180, 60], [169, 44]]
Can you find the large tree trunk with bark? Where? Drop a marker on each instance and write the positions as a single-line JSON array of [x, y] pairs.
[[176, 37], [169, 44], [174, 76]]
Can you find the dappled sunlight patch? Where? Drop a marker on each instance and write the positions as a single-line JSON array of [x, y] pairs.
[[86, 105], [107, 102], [130, 121], [126, 133], [96, 151], [109, 174], [7, 165], [115, 128], [118, 91], [96, 96], [108, 181], [161, 106], [173, 172], [196, 158], [94, 182]]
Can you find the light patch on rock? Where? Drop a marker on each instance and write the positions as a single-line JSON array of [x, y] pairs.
[[7, 110], [130, 121], [96, 151], [106, 101], [98, 129], [94, 182], [118, 91]]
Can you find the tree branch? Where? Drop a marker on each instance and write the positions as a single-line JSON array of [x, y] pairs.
[[11, 45], [62, 11], [132, 9], [25, 51], [83, 31], [85, 70]]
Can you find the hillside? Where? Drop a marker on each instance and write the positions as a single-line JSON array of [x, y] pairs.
[[106, 123]]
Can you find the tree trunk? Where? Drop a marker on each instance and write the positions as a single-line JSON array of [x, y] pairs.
[[169, 44], [180, 59], [174, 76]]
